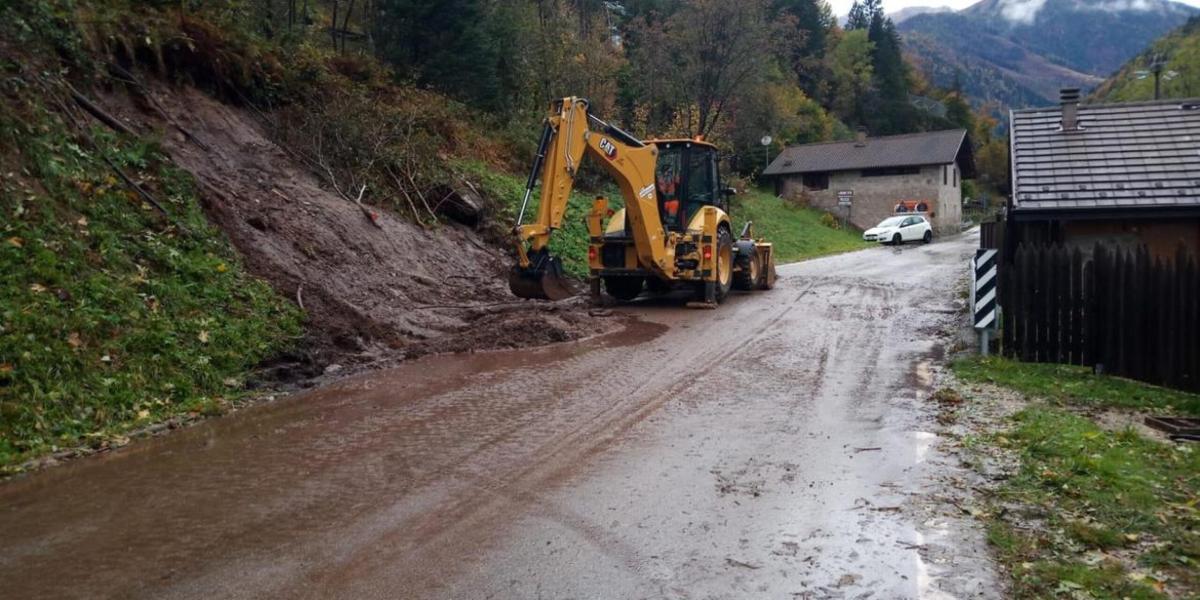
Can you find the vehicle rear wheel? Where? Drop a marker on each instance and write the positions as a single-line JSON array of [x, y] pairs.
[[897, 240], [928, 236], [657, 286], [623, 288], [724, 263], [747, 278]]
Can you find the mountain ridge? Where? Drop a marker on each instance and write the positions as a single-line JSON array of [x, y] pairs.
[[1017, 53]]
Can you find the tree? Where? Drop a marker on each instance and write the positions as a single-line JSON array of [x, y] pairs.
[[891, 72], [812, 23], [991, 151], [958, 111], [850, 63], [696, 59], [863, 13], [858, 18], [443, 44]]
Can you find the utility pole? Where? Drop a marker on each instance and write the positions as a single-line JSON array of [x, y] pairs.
[[1158, 68], [766, 144]]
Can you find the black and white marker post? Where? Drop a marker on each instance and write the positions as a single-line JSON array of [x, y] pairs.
[[984, 308]]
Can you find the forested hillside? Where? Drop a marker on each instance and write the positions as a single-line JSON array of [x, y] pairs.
[[1019, 54], [1179, 54], [730, 71]]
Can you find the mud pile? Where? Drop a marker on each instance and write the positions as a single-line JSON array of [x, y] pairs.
[[371, 290]]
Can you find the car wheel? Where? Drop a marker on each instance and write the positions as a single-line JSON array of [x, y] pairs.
[[928, 236], [897, 240]]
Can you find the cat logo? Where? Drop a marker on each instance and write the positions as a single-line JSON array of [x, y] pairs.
[[609, 148]]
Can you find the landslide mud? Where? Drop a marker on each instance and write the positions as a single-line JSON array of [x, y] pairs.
[[778, 447], [392, 290]]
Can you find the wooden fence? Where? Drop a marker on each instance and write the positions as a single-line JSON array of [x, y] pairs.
[[1133, 315]]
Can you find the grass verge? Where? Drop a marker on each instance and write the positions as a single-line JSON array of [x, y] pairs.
[[1077, 386], [113, 315], [798, 233], [1089, 512]]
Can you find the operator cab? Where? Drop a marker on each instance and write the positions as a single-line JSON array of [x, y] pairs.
[[686, 180]]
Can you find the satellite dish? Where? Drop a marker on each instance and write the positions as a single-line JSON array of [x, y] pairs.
[[766, 140]]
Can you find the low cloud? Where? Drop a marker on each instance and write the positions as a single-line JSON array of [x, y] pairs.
[[1026, 11], [1021, 11]]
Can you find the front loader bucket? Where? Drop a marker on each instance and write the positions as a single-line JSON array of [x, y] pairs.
[[542, 280]]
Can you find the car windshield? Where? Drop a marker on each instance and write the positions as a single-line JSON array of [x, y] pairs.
[[892, 222]]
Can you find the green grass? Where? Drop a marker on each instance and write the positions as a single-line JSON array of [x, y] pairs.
[[798, 233], [1075, 385], [112, 316], [1094, 492], [1082, 494]]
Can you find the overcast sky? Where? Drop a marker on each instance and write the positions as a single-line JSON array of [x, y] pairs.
[[842, 7]]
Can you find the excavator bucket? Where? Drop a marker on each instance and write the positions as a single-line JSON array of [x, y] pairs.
[[543, 279]]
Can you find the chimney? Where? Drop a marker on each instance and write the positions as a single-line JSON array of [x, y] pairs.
[[860, 139], [1070, 109]]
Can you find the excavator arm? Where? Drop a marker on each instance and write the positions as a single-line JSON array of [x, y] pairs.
[[572, 134]]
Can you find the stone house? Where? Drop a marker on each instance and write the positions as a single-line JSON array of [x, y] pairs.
[[1124, 174], [881, 172]]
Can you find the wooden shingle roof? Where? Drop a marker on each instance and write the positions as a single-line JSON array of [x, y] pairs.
[[1130, 155]]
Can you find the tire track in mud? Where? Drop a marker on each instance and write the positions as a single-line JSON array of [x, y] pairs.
[[439, 537]]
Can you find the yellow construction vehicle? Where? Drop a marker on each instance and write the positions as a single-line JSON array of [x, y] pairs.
[[673, 232]]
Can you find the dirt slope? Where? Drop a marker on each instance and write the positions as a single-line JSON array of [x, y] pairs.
[[368, 291]]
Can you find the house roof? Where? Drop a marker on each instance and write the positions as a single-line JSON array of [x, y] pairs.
[[911, 150], [1132, 155]]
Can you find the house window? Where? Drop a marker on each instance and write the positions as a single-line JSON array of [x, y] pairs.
[[945, 175], [816, 181], [955, 176], [888, 171]]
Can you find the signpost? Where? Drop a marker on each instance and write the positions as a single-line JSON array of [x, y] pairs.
[[985, 311], [846, 201], [766, 144]]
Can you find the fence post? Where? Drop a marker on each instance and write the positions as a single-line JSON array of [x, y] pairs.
[[1077, 307], [1028, 285]]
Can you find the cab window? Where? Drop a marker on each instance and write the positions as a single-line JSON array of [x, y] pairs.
[[668, 182]]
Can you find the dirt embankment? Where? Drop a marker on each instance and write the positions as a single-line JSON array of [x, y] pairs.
[[371, 290]]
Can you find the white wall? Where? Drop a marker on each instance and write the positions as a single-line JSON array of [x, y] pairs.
[[875, 198]]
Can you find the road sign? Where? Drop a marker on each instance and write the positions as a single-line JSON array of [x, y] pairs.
[[766, 140], [984, 305]]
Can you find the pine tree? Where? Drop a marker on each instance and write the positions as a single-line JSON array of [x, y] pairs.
[[858, 17], [443, 44], [957, 109], [891, 72]]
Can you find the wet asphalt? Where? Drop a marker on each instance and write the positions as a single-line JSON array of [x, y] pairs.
[[778, 447]]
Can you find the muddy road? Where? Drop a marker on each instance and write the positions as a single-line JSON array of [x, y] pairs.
[[778, 447]]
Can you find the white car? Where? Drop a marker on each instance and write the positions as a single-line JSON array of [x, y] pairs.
[[900, 229]]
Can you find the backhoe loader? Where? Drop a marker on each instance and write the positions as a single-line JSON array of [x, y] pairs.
[[673, 232]]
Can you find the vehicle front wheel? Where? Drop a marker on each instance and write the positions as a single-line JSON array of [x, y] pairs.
[[623, 288], [928, 236], [897, 240]]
